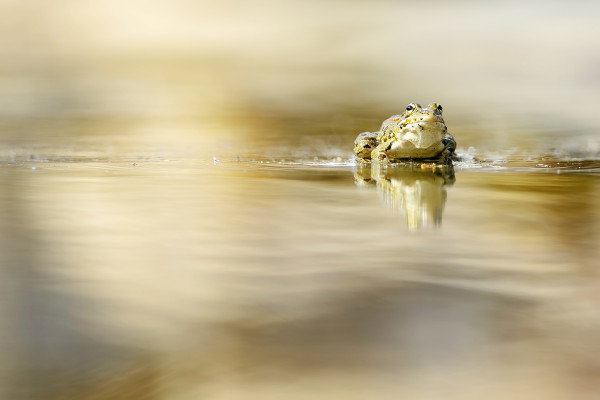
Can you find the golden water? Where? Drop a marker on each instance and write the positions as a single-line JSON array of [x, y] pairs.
[[179, 269]]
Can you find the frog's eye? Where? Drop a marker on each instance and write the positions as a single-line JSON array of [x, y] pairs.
[[435, 107], [412, 106]]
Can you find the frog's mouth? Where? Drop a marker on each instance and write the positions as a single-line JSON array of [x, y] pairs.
[[427, 125], [426, 119], [425, 128]]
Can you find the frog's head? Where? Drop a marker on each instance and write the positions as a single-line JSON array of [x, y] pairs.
[[415, 114], [417, 133], [430, 117]]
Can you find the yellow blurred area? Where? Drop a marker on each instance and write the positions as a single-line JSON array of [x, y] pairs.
[[495, 66]]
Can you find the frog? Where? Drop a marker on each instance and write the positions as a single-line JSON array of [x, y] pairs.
[[418, 133]]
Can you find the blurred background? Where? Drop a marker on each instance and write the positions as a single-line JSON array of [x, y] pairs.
[[508, 73], [179, 217]]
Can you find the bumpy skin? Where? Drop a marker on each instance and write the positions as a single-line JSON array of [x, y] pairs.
[[365, 143], [418, 133]]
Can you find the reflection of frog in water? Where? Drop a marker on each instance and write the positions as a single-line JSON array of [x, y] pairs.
[[419, 133], [421, 193]]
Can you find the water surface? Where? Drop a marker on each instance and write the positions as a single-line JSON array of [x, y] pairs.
[[230, 272]]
